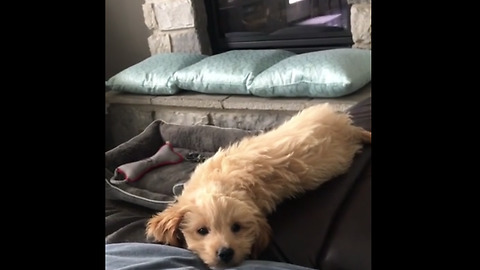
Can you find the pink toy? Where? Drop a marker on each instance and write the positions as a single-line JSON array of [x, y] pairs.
[[134, 171]]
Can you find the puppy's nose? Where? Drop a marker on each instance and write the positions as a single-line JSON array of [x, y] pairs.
[[225, 254]]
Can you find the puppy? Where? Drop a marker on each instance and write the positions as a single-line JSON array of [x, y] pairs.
[[222, 213]]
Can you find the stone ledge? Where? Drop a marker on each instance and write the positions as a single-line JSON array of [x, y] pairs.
[[192, 100], [264, 104], [128, 114], [114, 97], [195, 100]]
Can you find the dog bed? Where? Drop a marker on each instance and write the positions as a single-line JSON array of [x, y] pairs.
[[325, 228], [157, 186]]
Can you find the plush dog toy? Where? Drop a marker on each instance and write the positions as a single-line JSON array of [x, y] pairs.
[[134, 171]]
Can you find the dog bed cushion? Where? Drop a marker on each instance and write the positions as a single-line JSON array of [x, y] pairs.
[[156, 187]]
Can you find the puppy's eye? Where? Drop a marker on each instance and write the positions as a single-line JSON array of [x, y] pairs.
[[202, 231], [236, 227]]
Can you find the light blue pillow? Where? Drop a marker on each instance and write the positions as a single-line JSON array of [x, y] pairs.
[[154, 75], [325, 74], [229, 72]]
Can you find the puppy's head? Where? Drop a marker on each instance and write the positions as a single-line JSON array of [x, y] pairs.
[[221, 230]]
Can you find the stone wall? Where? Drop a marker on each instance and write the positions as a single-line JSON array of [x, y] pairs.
[[127, 115], [177, 26], [361, 23]]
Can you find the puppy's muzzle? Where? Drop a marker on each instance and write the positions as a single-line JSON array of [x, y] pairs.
[[225, 254]]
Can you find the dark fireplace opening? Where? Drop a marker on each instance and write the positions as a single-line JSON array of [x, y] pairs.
[[295, 25]]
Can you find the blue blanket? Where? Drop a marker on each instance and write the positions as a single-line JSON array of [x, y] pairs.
[[138, 256]]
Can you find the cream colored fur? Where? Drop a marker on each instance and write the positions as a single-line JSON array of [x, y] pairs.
[[227, 199]]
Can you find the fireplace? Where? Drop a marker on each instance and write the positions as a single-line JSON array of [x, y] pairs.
[[215, 26], [295, 25]]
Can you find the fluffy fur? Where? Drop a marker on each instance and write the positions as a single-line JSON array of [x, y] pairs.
[[221, 214]]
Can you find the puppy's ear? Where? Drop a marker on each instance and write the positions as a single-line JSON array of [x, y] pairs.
[[264, 233], [164, 226]]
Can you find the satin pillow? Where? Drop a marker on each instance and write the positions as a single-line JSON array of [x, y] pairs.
[[228, 73], [322, 74], [154, 75]]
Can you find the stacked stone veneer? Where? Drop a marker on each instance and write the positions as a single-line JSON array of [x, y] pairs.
[[361, 23], [177, 26]]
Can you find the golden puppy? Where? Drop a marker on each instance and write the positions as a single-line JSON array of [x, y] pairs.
[[221, 214]]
